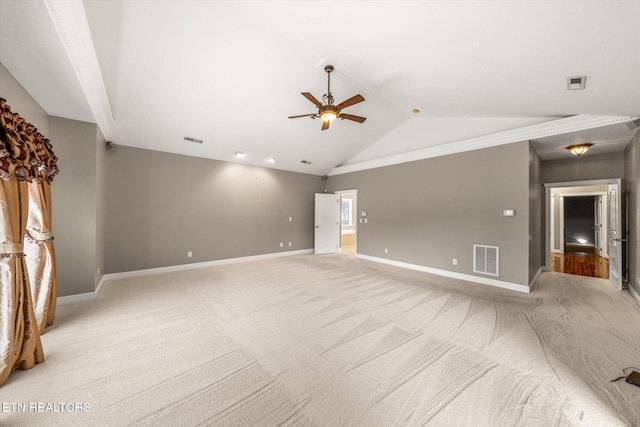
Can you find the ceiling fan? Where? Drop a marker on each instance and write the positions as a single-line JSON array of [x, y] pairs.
[[329, 112]]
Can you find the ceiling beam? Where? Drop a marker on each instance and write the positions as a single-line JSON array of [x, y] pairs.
[[70, 21]]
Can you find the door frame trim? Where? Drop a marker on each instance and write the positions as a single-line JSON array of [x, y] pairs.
[[547, 197], [355, 224]]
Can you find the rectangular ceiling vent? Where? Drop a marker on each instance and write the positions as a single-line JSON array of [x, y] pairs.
[[576, 82], [485, 259], [196, 140]]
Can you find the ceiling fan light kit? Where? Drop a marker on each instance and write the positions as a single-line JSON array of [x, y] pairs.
[[329, 112]]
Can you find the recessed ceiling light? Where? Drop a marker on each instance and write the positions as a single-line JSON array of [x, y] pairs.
[[306, 162], [415, 111], [239, 154], [271, 160]]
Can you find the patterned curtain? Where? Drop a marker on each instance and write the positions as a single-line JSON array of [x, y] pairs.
[[25, 158]]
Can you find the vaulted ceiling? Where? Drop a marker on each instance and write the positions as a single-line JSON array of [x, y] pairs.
[[229, 73]]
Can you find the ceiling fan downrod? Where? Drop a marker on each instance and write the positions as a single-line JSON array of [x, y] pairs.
[[329, 70]]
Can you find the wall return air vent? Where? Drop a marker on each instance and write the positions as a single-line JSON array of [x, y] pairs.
[[485, 259]]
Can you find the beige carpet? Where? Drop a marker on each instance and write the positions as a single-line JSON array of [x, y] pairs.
[[334, 341]]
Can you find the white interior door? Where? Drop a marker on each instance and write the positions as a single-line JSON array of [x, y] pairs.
[[615, 238], [327, 223]]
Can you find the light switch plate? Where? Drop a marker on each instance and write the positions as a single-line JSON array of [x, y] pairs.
[[509, 212]]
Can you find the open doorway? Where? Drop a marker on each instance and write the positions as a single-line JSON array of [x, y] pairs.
[[580, 220], [583, 227], [348, 223]]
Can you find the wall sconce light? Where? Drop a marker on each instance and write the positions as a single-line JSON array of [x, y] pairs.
[[579, 149]]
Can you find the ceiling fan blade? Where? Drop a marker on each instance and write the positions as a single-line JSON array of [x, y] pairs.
[[350, 101], [325, 125], [352, 117], [312, 99], [302, 115]]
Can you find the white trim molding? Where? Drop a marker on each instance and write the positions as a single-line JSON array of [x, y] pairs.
[[534, 281], [70, 22], [633, 293], [137, 273], [541, 130], [70, 299], [452, 274]]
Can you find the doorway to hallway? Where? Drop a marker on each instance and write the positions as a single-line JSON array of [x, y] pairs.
[[348, 222], [583, 228]]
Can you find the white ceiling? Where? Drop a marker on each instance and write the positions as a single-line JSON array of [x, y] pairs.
[[230, 73]]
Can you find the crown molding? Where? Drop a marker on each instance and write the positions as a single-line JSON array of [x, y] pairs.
[[70, 22], [541, 130]]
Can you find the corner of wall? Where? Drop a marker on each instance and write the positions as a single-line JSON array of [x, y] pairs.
[[632, 187], [100, 206], [536, 210]]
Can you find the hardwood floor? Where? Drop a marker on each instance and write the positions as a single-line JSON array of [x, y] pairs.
[[581, 264], [348, 243]]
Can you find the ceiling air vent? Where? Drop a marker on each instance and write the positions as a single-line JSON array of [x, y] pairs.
[[576, 82], [485, 259], [197, 141]]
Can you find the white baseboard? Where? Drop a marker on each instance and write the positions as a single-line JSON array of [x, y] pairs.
[[70, 299], [137, 273], [634, 294], [454, 275]]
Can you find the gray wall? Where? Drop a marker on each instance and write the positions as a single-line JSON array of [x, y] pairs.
[[21, 102], [430, 211], [75, 204], [536, 231], [601, 166], [632, 187], [161, 205], [77, 191]]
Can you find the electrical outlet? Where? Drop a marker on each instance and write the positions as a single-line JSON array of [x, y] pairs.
[[281, 244], [289, 244], [386, 251], [98, 271], [455, 261], [290, 219], [189, 254]]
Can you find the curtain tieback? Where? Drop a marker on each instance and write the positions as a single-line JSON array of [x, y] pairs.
[[39, 237], [8, 250]]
